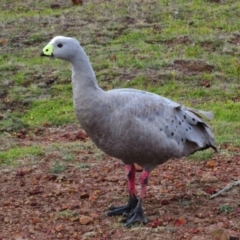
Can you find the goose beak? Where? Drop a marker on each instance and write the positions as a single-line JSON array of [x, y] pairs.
[[47, 51]]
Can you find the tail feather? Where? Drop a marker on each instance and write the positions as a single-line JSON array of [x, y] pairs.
[[209, 115], [201, 136]]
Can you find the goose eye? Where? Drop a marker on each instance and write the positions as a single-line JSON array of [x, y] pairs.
[[59, 45]]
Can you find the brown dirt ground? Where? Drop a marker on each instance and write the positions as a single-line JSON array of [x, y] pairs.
[[37, 204], [189, 67]]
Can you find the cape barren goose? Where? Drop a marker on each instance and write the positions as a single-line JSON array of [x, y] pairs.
[[132, 125]]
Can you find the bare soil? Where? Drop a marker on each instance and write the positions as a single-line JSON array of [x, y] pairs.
[[189, 67], [38, 204]]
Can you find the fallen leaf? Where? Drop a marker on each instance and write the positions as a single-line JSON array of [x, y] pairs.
[[3, 42], [208, 178], [165, 202], [205, 84], [158, 223], [210, 190], [77, 2], [113, 58], [180, 221], [219, 234], [64, 207], [211, 164]]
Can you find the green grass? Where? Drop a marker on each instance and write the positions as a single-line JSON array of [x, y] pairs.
[[226, 209], [58, 168], [129, 45], [45, 111], [16, 153]]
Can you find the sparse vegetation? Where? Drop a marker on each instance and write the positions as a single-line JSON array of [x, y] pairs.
[[66, 214], [58, 168], [10, 156]]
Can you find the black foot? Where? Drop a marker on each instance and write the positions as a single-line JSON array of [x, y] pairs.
[[126, 209], [136, 216]]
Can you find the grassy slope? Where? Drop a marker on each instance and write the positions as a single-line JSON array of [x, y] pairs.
[[130, 44]]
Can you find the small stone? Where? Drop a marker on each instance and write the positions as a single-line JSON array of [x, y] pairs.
[[88, 235], [59, 235], [138, 168], [200, 215], [59, 228], [20, 135], [74, 219], [84, 220], [196, 220], [122, 183], [199, 192], [31, 231], [84, 195], [6, 220]]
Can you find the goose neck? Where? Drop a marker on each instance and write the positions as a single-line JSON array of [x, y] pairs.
[[82, 72]]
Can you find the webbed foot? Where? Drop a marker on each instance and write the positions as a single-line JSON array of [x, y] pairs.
[[125, 209], [136, 216]]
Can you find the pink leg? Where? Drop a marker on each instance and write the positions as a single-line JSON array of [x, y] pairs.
[[132, 201], [130, 170], [137, 215], [133, 209]]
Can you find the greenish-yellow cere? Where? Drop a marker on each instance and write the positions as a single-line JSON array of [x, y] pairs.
[[48, 50]]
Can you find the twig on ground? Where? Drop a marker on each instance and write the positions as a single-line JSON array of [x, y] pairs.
[[227, 188]]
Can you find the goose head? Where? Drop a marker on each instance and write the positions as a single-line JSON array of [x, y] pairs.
[[62, 47]]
